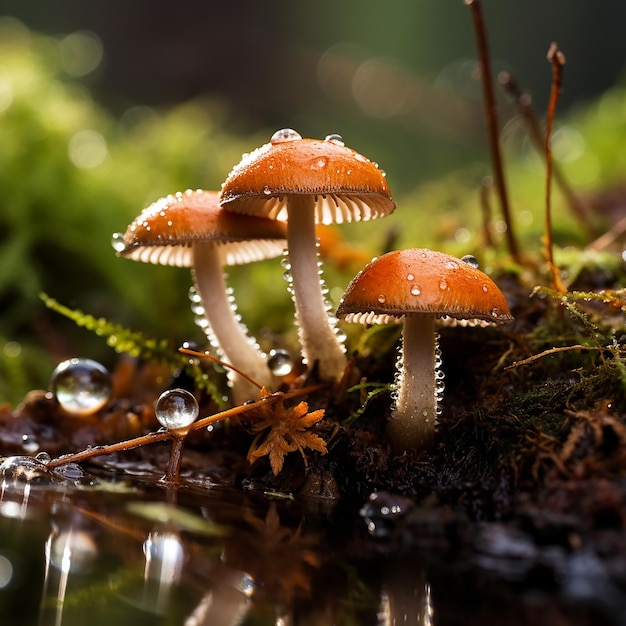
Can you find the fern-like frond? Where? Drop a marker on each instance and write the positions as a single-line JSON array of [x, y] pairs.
[[136, 344]]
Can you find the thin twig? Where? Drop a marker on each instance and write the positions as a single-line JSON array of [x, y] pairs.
[[536, 357], [219, 361], [523, 100], [491, 111], [165, 435], [609, 237], [557, 59]]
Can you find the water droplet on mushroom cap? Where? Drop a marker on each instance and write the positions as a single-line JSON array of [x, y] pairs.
[[176, 409], [81, 386], [285, 134], [470, 259], [335, 138]]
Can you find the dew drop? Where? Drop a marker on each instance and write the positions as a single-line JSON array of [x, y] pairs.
[[410, 276], [381, 298], [452, 265], [176, 409], [335, 138], [42, 457], [285, 134], [340, 335], [495, 312], [266, 190], [194, 296], [81, 386], [117, 242], [443, 284], [285, 263], [485, 288], [470, 259], [280, 362], [197, 308], [415, 290], [320, 163], [201, 322]]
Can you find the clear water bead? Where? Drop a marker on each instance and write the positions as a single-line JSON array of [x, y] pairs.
[[117, 242], [285, 134], [81, 386], [280, 362], [470, 259], [335, 138], [194, 296], [176, 409]]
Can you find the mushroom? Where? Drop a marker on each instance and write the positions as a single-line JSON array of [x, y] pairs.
[[191, 230], [420, 287], [304, 182]]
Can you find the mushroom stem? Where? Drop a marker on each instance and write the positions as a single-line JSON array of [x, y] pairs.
[[316, 329], [414, 415], [233, 344]]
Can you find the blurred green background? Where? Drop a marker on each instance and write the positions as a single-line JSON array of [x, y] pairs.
[[106, 106]]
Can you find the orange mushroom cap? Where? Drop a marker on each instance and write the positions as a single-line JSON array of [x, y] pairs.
[[419, 281], [347, 186], [164, 232]]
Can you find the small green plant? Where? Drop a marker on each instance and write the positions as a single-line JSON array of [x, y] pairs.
[[137, 345]]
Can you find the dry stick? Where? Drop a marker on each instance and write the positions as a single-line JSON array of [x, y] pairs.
[[206, 355], [609, 237], [557, 58], [165, 435], [536, 357], [523, 100], [491, 112]]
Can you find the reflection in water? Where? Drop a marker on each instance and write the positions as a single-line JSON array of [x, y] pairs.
[[70, 557], [227, 603], [165, 557], [68, 552], [406, 596], [280, 556]]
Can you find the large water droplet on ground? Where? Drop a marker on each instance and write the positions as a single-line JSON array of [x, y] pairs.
[[285, 134], [22, 469], [176, 409], [81, 386]]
